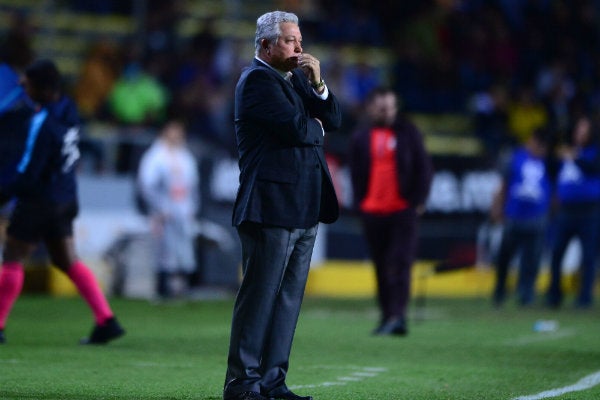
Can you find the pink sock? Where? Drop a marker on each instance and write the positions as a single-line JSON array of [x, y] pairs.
[[11, 283], [90, 290]]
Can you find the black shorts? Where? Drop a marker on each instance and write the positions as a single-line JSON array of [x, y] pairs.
[[33, 221]]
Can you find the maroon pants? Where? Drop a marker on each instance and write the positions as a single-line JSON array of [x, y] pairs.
[[392, 242]]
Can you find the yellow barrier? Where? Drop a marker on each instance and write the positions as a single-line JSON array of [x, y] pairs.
[[340, 278], [357, 279]]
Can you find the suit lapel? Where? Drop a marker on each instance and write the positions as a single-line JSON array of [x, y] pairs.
[[293, 88]]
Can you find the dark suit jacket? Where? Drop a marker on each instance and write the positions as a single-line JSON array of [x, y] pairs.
[[284, 178], [415, 169]]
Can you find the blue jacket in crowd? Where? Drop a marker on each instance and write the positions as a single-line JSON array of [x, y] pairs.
[[529, 187], [579, 180]]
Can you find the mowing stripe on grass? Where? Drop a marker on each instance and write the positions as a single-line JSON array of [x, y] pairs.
[[585, 383], [10, 361], [357, 376], [540, 337], [149, 364]]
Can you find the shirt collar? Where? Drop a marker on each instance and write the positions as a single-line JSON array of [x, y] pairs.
[[285, 75]]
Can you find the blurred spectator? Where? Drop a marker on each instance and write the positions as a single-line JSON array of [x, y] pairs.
[[423, 29], [169, 182], [470, 39], [353, 25], [138, 103], [522, 205], [490, 120], [556, 89], [408, 76], [362, 27], [525, 114], [137, 98], [360, 78], [578, 216], [161, 42], [533, 52], [336, 142], [228, 63], [442, 53], [197, 86], [16, 45], [391, 176], [445, 93], [100, 70], [228, 59], [503, 51], [161, 26]]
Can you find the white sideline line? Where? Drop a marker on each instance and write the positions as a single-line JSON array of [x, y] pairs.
[[356, 376], [584, 383]]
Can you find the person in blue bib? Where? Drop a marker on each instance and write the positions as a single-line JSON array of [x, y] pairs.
[[578, 211], [522, 206]]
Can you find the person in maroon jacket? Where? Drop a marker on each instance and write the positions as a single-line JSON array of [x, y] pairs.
[[391, 177]]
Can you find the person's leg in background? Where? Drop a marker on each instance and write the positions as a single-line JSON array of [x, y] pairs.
[[589, 227], [376, 232], [399, 261], [62, 255], [562, 236], [532, 245], [12, 276], [506, 252]]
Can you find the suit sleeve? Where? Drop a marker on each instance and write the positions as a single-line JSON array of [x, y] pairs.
[[328, 110], [359, 166], [267, 104]]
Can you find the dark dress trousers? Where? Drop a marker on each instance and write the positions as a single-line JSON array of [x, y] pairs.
[[285, 191]]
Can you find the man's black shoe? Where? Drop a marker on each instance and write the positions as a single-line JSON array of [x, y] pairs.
[[289, 395], [102, 334], [396, 326], [247, 396], [2, 338]]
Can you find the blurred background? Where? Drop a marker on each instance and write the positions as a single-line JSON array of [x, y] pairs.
[[476, 76]]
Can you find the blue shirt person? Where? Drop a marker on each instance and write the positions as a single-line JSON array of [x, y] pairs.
[[578, 214], [522, 205]]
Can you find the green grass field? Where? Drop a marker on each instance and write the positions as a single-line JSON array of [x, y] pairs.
[[456, 349]]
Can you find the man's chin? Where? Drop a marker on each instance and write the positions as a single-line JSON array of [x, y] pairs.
[[292, 63]]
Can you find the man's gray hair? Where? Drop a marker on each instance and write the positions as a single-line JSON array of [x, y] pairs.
[[267, 26]]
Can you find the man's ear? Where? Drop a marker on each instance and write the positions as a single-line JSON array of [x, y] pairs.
[[264, 43]]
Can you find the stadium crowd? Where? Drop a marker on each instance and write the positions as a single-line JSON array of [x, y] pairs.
[[481, 57], [509, 66]]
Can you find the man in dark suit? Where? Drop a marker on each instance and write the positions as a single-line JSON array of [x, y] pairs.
[[282, 111]]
